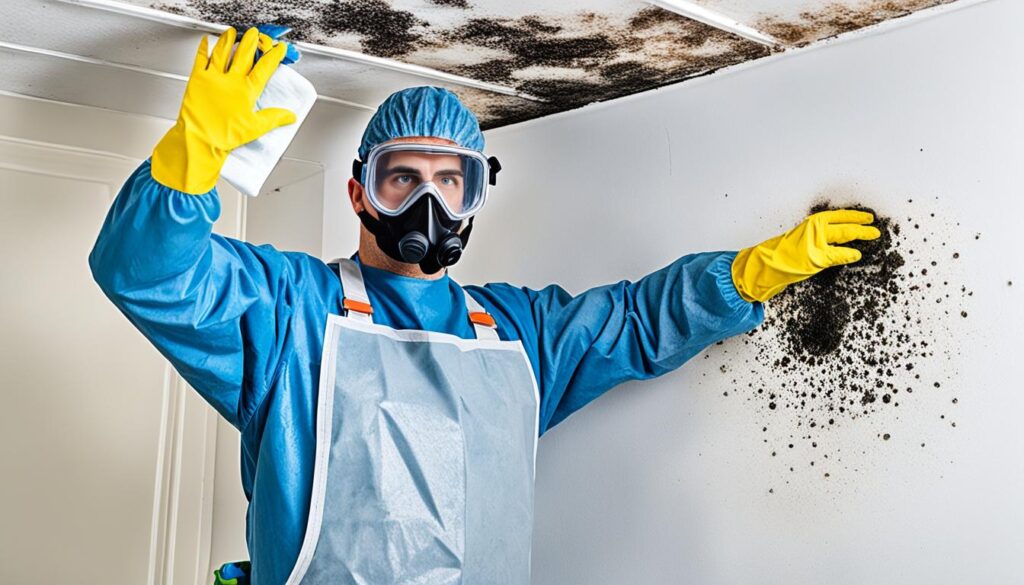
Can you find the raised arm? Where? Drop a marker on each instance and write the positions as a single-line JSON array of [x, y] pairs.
[[215, 307]]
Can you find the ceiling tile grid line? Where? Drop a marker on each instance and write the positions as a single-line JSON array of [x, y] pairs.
[[717, 20], [354, 56], [4, 45]]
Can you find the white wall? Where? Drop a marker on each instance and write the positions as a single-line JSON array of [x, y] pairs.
[[668, 481]]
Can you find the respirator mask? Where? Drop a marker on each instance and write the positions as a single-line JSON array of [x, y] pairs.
[[423, 194]]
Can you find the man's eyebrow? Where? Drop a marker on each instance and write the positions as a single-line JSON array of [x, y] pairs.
[[402, 170], [449, 172]]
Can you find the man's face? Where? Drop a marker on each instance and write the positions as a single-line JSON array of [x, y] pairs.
[[405, 171], [412, 169]]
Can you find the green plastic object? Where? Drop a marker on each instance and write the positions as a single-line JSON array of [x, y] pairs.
[[236, 573]]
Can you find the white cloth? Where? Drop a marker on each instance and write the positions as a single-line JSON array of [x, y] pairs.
[[248, 166]]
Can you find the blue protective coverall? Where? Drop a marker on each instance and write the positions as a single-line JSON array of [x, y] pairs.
[[244, 325]]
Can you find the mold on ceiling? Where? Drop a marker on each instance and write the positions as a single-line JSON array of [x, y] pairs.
[[565, 56], [527, 59], [833, 19], [797, 23]]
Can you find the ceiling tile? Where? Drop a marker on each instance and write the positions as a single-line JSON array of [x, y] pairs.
[[565, 54]]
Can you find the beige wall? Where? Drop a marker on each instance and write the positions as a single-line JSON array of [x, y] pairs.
[[111, 465]]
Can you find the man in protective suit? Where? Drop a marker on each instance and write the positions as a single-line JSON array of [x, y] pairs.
[[389, 416]]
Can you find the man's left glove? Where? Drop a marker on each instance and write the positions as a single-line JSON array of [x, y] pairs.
[[762, 271], [218, 112]]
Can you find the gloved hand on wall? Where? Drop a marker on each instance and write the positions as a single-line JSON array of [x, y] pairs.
[[762, 271], [218, 112]]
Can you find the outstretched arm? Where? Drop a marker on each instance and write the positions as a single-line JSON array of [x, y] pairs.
[[583, 345]]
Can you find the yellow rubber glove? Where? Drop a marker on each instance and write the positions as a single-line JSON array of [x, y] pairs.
[[218, 112], [762, 271]]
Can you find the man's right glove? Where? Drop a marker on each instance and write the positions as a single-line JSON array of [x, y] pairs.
[[218, 112], [762, 271]]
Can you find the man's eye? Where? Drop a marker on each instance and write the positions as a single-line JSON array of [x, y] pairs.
[[403, 179], [448, 181]]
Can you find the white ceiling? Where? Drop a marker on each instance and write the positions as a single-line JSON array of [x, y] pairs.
[[510, 61]]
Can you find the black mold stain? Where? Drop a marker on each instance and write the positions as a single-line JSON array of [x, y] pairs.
[[533, 43], [463, 4], [834, 19], [849, 341], [628, 72], [613, 57], [817, 314], [241, 14], [384, 31]]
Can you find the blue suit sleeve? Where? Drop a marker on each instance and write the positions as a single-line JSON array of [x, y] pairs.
[[216, 308], [581, 346]]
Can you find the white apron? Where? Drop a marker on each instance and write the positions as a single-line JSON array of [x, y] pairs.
[[425, 454]]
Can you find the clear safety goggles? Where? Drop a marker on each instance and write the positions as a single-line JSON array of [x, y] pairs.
[[398, 175]]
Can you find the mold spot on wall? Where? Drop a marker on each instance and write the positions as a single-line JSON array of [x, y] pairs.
[[861, 342]]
